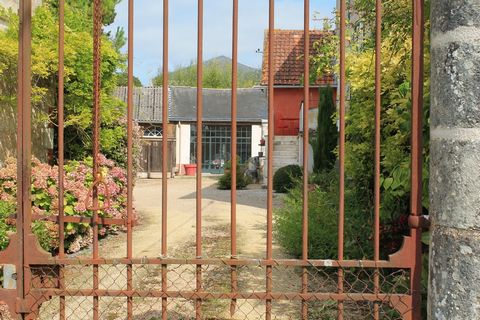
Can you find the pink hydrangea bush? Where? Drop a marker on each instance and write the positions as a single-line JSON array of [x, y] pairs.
[[78, 179]]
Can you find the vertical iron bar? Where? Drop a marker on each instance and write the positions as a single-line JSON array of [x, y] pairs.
[[164, 127], [61, 160], [61, 213], [24, 146], [97, 33], [341, 217], [378, 108], [271, 79], [306, 107], [164, 154], [417, 147], [130, 156], [199, 155], [233, 154]]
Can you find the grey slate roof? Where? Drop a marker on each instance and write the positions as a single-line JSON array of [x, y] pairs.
[[251, 105]]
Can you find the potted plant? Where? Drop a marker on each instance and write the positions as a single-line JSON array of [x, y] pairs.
[[190, 169]]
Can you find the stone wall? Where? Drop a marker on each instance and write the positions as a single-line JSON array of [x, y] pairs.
[[41, 135], [454, 291]]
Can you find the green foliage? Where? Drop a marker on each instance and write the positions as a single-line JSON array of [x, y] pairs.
[[322, 63], [217, 73], [86, 7], [122, 80], [225, 181], [285, 178], [395, 118], [78, 75], [325, 141], [6, 225], [323, 222], [395, 133], [395, 127]]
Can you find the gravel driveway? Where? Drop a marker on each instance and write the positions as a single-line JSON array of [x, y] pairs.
[[251, 243], [251, 217]]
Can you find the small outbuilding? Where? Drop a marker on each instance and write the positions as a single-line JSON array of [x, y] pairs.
[[182, 129]]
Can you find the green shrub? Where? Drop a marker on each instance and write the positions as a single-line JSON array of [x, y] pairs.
[[323, 222], [285, 178], [6, 226], [225, 181]]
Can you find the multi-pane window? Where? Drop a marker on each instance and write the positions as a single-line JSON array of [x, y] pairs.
[[153, 132], [216, 145]]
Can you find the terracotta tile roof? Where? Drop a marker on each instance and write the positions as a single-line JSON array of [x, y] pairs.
[[288, 56]]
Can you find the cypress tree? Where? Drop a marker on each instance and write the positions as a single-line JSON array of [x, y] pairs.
[[326, 137]]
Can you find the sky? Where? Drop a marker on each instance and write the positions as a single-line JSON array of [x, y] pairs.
[[253, 20]]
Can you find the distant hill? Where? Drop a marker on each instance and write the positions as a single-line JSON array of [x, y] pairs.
[[226, 62], [217, 73]]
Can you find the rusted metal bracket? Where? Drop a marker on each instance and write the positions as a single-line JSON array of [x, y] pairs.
[[24, 306], [419, 222], [8, 299], [18, 306], [41, 276], [30, 305], [403, 257], [11, 250], [36, 254]]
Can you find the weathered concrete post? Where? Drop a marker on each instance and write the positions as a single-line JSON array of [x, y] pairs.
[[454, 284]]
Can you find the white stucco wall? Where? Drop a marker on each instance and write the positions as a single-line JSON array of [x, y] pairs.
[[257, 135], [310, 155], [182, 146], [312, 119], [263, 161]]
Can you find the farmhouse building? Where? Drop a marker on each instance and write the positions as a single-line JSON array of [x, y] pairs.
[[288, 68], [181, 136]]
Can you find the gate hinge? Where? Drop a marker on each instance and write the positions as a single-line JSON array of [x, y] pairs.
[[417, 222]]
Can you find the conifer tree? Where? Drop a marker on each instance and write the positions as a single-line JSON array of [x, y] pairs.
[[326, 137]]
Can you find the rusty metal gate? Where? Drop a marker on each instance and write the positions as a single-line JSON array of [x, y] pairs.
[[356, 288]]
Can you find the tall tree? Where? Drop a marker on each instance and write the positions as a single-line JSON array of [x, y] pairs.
[[327, 133], [85, 7], [78, 77]]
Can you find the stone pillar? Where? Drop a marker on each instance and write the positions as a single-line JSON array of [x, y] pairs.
[[454, 284]]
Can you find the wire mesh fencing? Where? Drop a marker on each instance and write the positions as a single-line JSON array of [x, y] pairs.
[[217, 298]]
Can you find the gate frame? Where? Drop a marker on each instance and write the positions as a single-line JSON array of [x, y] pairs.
[[25, 252]]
